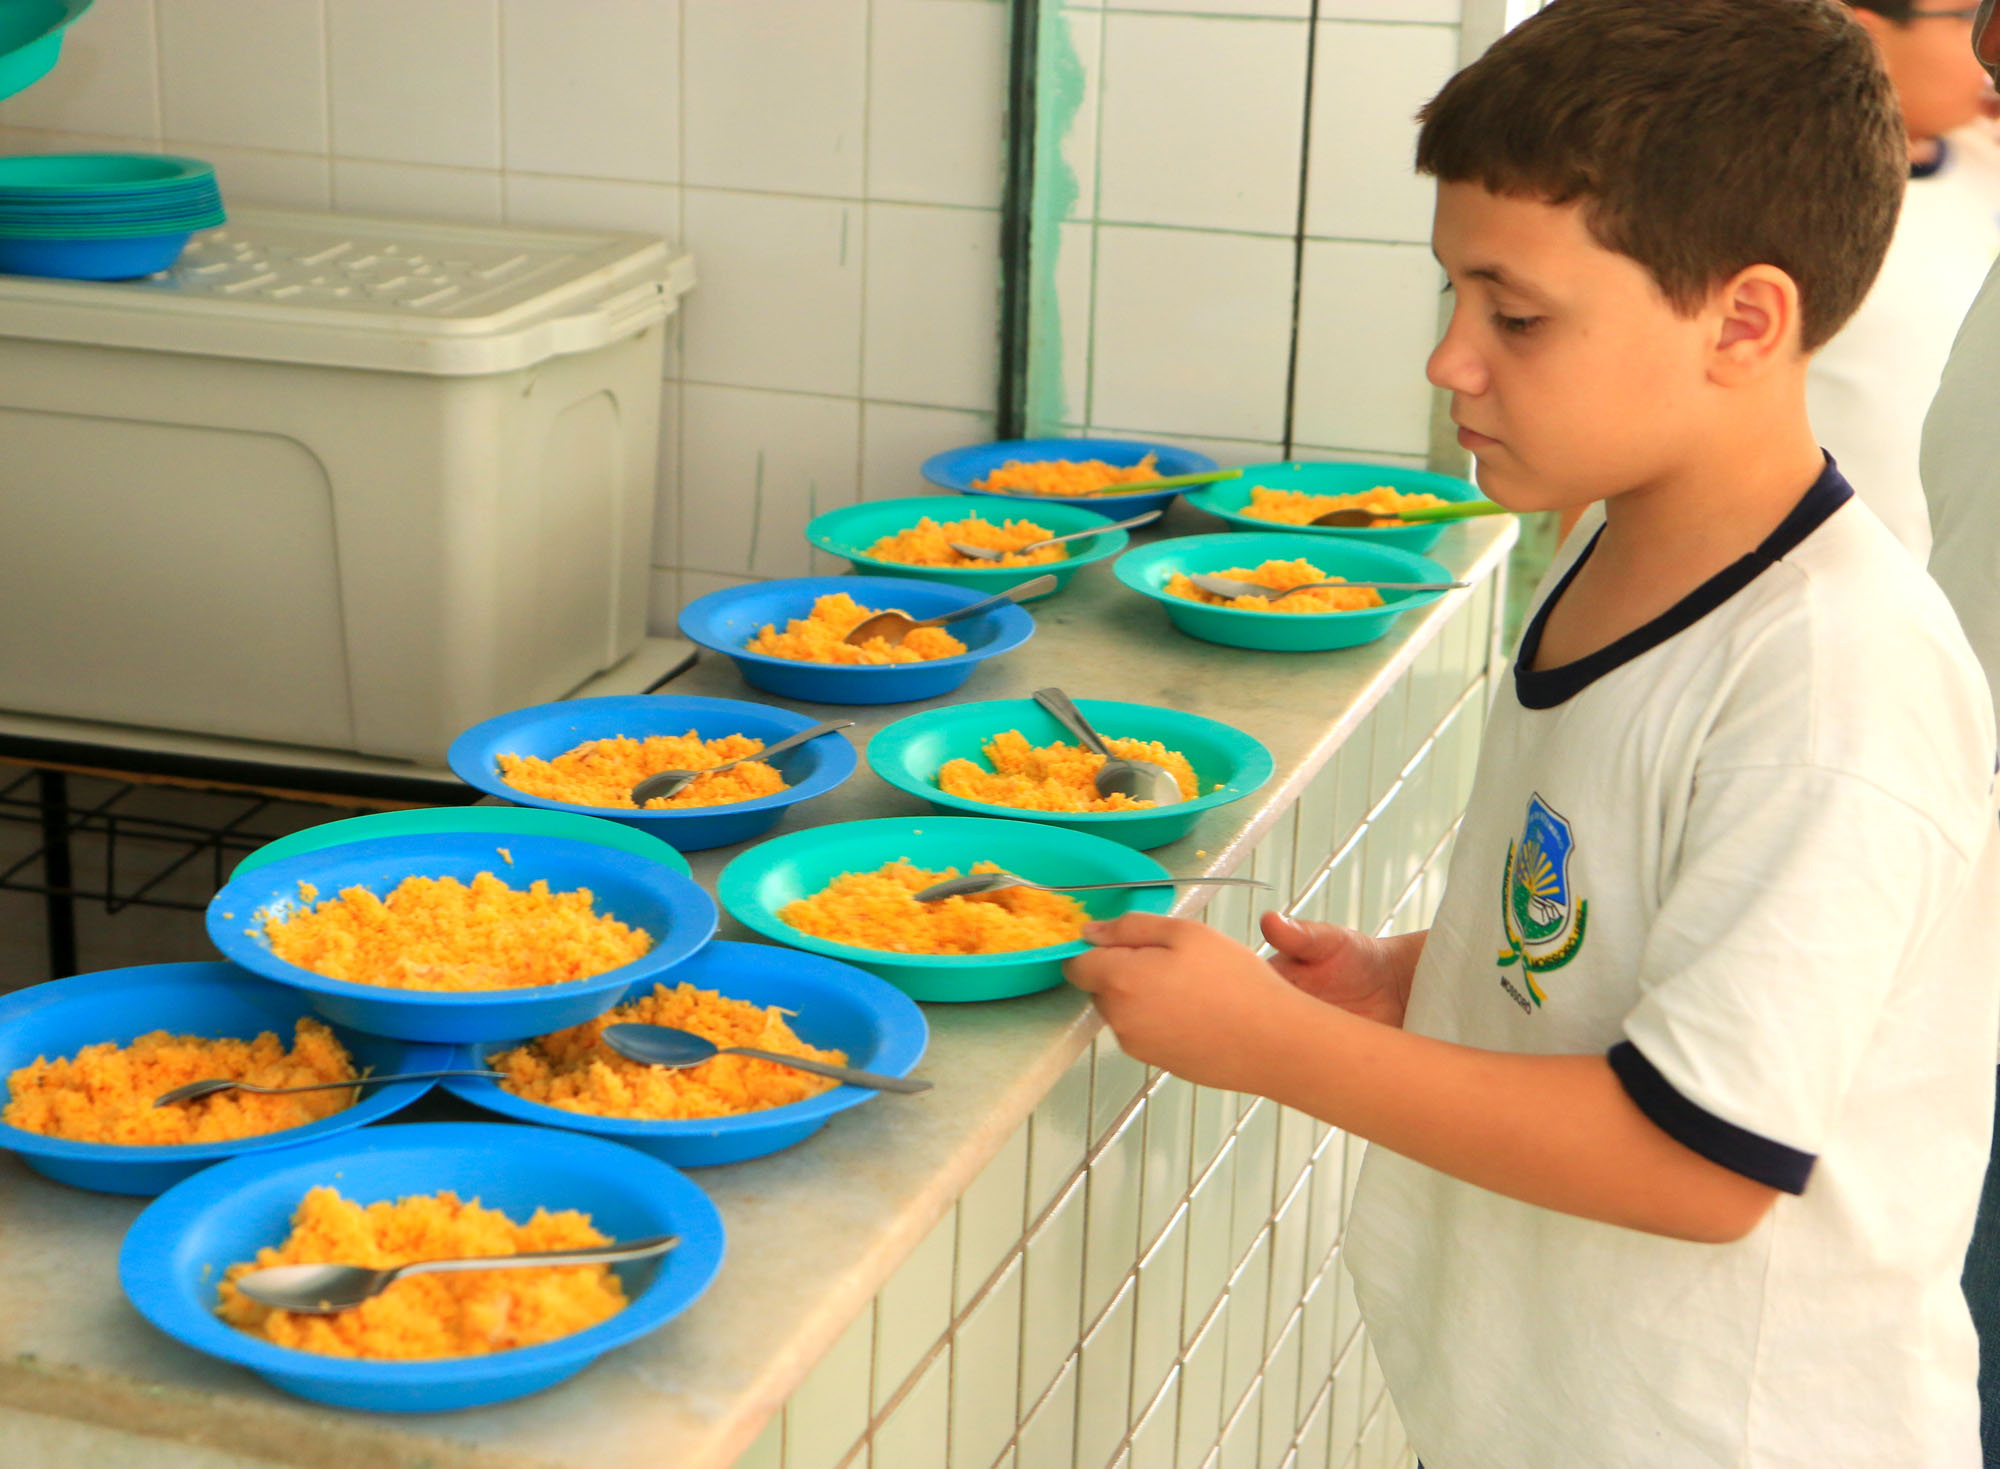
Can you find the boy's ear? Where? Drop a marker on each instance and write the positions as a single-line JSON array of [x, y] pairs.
[[1756, 316]]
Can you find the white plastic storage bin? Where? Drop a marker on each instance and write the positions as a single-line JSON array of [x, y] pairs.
[[341, 482]]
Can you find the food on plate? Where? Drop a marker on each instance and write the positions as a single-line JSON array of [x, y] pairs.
[[449, 1314], [1056, 777], [573, 1069], [927, 543], [602, 773], [1067, 476], [879, 910], [1279, 576], [1296, 507], [105, 1092], [441, 934], [817, 638]]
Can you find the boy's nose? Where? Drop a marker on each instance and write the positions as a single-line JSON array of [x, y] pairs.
[[1454, 367]]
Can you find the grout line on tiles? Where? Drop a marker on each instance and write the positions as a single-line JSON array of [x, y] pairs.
[[500, 85], [326, 91], [159, 73], [1299, 232]]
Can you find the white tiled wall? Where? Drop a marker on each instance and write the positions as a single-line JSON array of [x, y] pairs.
[[834, 165], [1246, 263], [1149, 1275]]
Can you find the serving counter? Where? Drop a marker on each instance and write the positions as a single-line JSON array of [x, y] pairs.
[[1057, 1257]]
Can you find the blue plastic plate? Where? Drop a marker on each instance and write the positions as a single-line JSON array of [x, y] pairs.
[[654, 896], [725, 621], [178, 1249], [92, 260], [956, 469], [549, 730], [208, 999], [835, 1006]]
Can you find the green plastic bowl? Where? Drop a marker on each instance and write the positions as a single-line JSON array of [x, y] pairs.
[[798, 864], [31, 37], [1228, 763], [1148, 569], [846, 531], [1228, 498], [500, 821]]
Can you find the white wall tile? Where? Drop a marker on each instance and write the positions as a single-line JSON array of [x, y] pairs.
[[828, 1411], [987, 1358], [695, 585], [1228, 453], [915, 1433], [255, 176], [937, 79], [1445, 12], [600, 99], [1367, 322], [755, 467], [1192, 332], [53, 140], [779, 304], [913, 1308], [663, 602], [1313, 453], [107, 80], [1203, 120], [416, 83], [471, 195], [667, 498], [774, 94], [1084, 32], [1075, 269], [933, 314], [896, 440], [1368, 82], [252, 75], [1294, 9], [563, 203], [1104, 1383]]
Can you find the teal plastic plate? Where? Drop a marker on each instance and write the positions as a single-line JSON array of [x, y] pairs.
[[31, 36], [850, 530], [1228, 763], [500, 821], [1228, 498], [798, 864], [1148, 569]]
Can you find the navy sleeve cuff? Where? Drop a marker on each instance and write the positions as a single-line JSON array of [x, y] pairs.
[[1735, 1148]]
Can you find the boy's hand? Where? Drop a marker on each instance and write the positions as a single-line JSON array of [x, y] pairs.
[[1340, 966], [1179, 995]]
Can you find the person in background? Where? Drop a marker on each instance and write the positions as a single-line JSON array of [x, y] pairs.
[[1679, 1109], [1961, 475], [1868, 388]]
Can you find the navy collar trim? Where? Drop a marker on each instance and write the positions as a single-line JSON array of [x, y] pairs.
[[1548, 687], [1935, 164]]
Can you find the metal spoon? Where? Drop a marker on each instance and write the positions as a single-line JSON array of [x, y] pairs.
[[1224, 586], [321, 1290], [196, 1089], [978, 884], [1137, 487], [1142, 780], [673, 782], [1353, 517], [895, 626], [663, 1045], [987, 553]]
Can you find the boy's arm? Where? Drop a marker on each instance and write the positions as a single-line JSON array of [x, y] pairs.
[[1556, 1131]]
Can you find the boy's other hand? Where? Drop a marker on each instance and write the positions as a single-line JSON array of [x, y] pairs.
[[1340, 966], [1179, 995]]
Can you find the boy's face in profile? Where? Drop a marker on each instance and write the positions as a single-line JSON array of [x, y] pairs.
[[1571, 375]]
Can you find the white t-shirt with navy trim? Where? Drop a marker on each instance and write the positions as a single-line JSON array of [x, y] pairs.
[[1749, 852]]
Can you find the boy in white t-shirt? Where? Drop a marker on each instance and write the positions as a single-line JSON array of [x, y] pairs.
[[1681, 1104]]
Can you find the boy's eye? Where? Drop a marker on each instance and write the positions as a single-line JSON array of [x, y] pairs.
[[1515, 325]]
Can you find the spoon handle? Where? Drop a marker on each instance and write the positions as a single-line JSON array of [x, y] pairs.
[[1157, 882], [1031, 588], [612, 1254], [196, 1089], [1375, 586], [1064, 708], [1082, 535], [852, 1075], [789, 741]]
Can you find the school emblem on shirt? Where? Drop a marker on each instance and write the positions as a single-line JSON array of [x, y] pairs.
[[1543, 920]]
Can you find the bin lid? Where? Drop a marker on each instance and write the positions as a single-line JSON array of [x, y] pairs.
[[397, 295]]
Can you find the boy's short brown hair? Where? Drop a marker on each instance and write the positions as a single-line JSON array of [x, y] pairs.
[[1702, 136]]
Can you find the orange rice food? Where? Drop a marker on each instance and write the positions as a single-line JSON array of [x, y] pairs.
[[439, 934], [104, 1093], [1056, 777], [927, 543], [817, 639], [1278, 575], [879, 910], [1296, 507], [602, 772], [451, 1314], [573, 1069], [1067, 476]]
